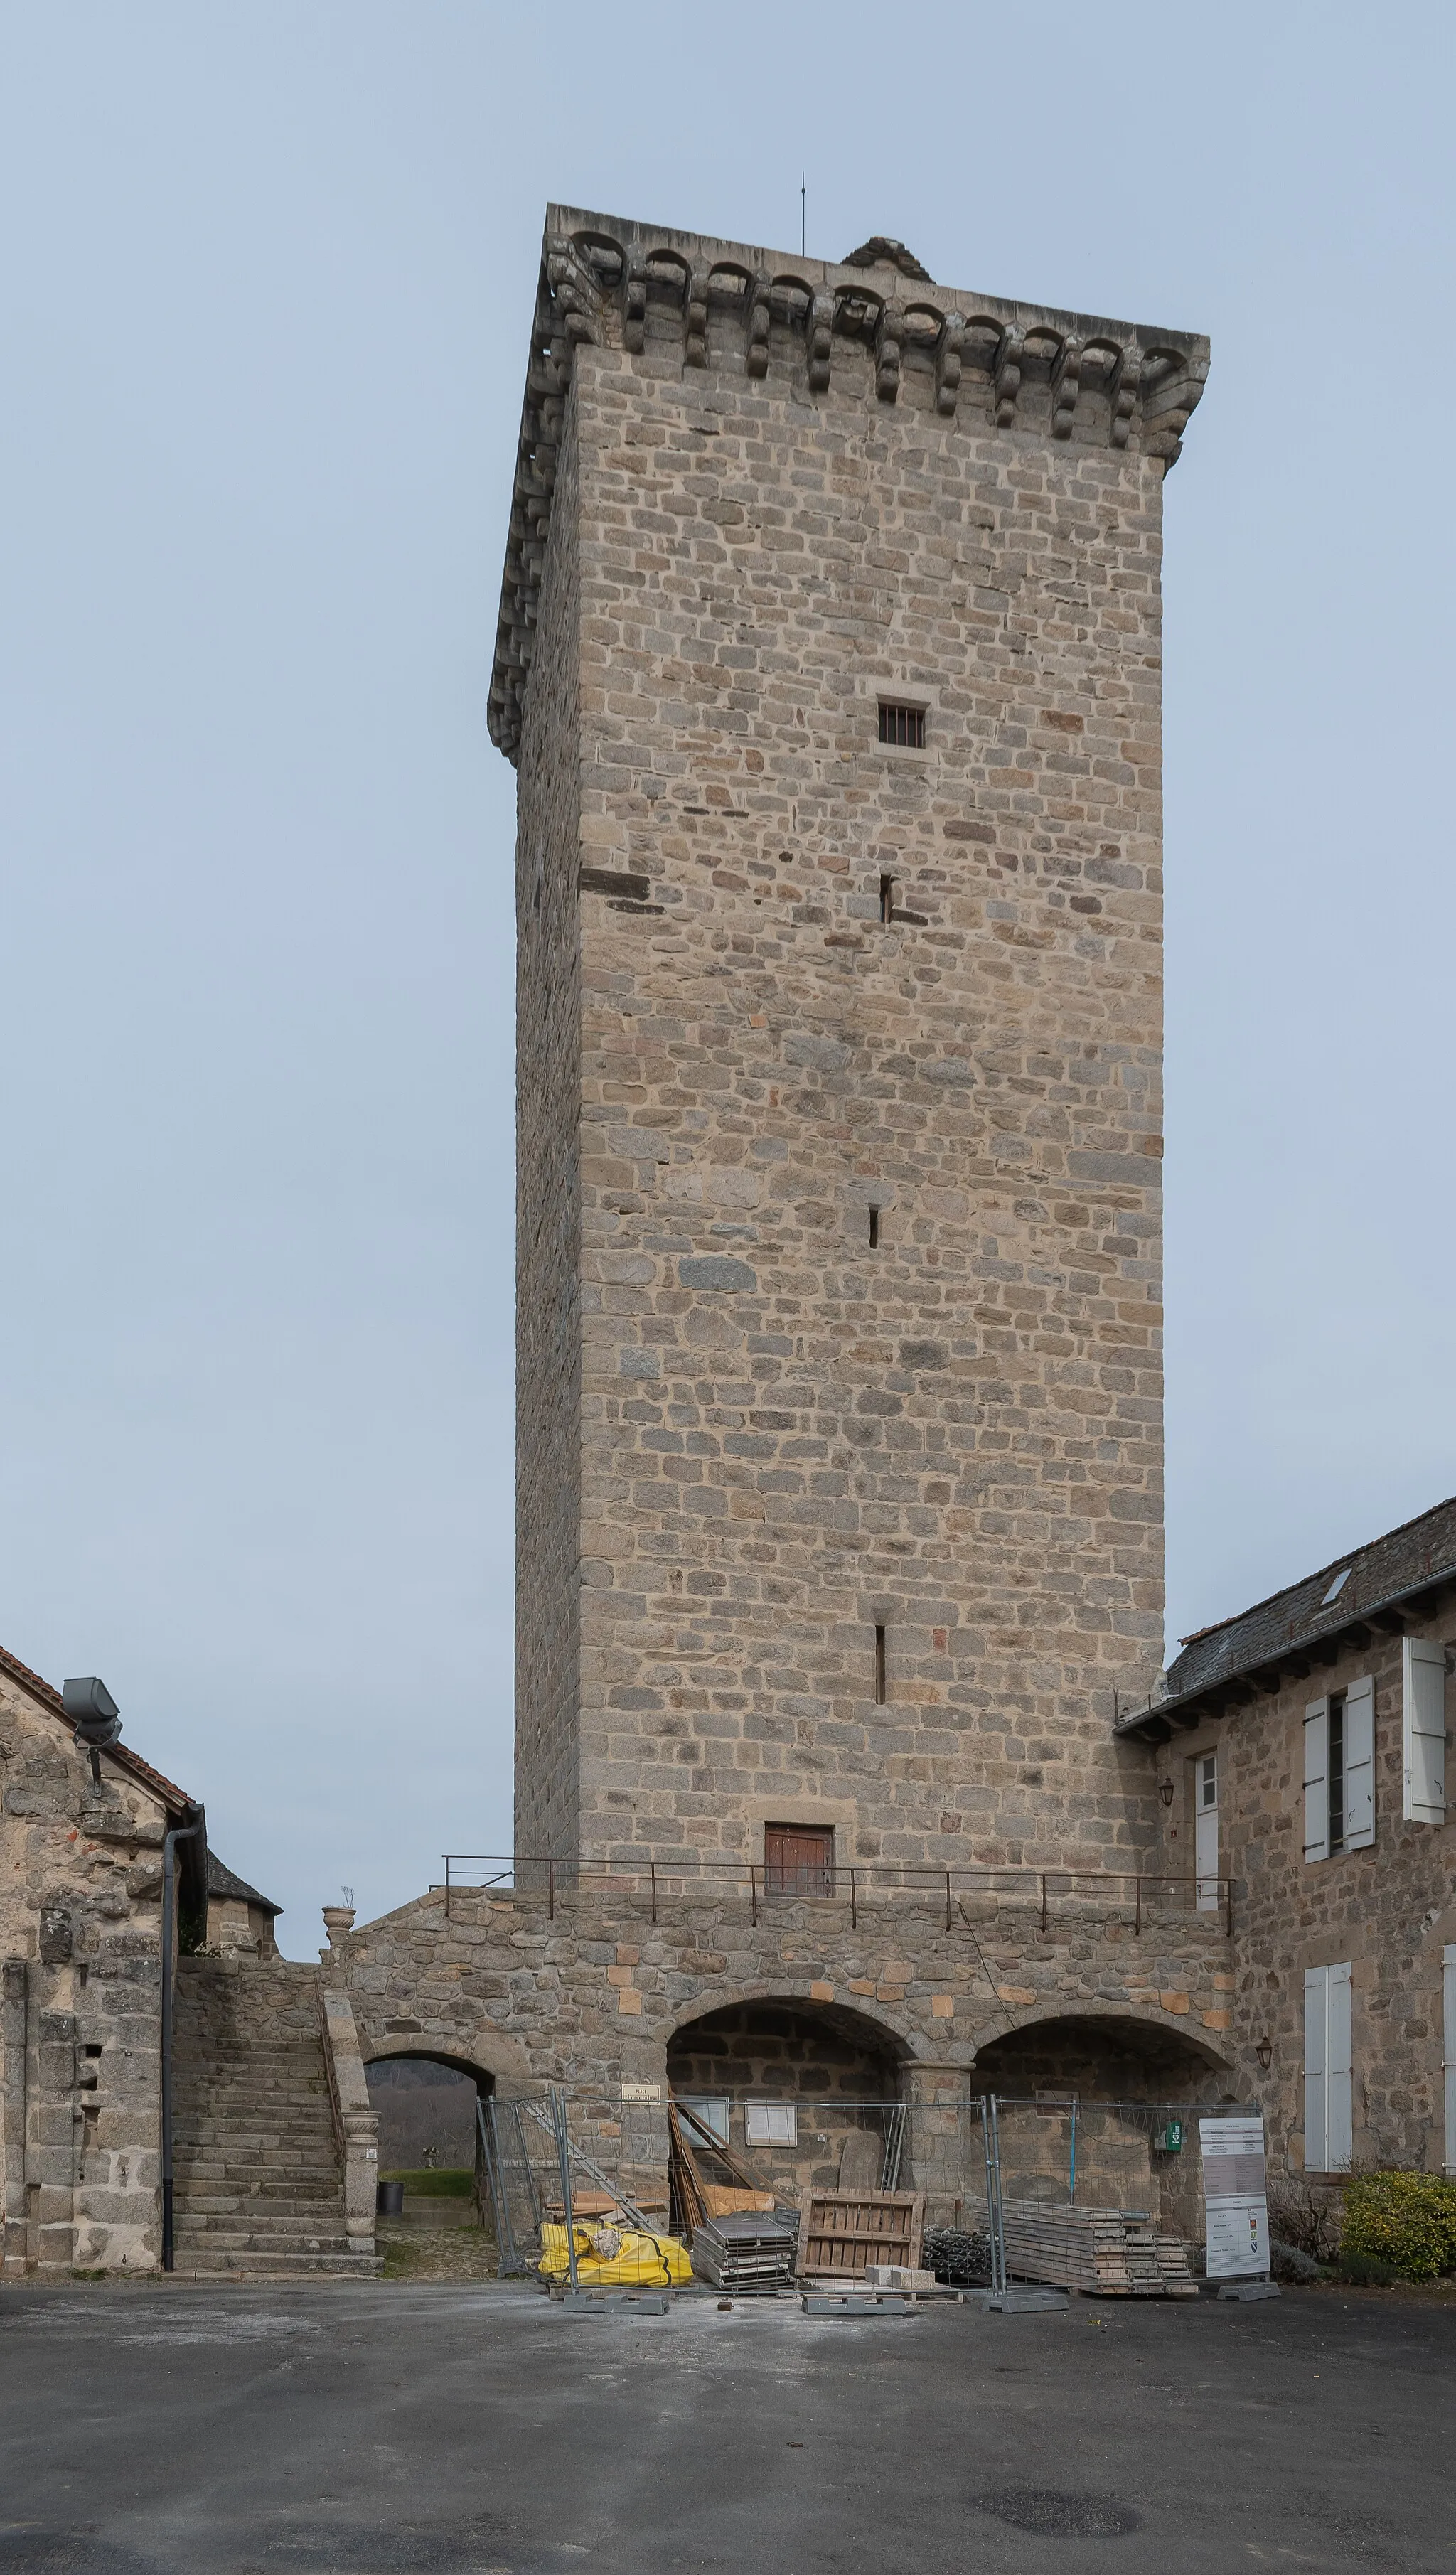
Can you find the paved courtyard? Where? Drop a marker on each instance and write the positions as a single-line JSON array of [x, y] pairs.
[[474, 2430]]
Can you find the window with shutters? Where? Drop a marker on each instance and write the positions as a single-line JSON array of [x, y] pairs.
[[1423, 1730], [1205, 1830], [1329, 2090], [1339, 1772]]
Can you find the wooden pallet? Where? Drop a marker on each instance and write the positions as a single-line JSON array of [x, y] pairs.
[[1105, 2253], [840, 2232]]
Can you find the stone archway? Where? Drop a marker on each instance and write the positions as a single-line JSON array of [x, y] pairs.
[[807, 2091], [1115, 2054], [425, 2099], [1089, 2105]]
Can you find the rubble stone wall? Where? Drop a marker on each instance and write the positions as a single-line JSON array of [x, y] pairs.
[[595, 1996], [80, 2021]]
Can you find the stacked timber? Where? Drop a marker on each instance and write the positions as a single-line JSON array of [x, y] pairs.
[[1108, 2252]]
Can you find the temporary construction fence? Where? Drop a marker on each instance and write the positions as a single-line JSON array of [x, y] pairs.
[[1115, 2198]]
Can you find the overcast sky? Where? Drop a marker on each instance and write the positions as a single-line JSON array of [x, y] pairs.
[[268, 273]]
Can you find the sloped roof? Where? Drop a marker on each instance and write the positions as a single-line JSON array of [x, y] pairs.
[[225, 1881], [1400, 1566], [175, 1799]]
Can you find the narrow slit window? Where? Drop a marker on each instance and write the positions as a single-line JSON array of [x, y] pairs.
[[874, 1229], [880, 1692], [886, 901], [904, 727]]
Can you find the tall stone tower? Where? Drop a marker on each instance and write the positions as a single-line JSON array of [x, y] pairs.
[[830, 653]]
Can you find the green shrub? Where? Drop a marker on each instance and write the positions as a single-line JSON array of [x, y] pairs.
[[1362, 2271], [1405, 2221]]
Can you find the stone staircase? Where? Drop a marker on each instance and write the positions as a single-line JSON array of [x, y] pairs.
[[257, 2185]]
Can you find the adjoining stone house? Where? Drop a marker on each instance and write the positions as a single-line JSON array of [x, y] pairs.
[[1301, 1754], [80, 1941], [81, 1874]]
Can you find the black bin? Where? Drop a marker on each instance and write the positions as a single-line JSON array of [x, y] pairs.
[[389, 2199]]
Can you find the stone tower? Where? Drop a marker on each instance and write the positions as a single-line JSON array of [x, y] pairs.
[[829, 655]]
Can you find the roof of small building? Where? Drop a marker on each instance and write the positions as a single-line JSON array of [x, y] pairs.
[[1369, 1582], [224, 1881], [175, 1799]]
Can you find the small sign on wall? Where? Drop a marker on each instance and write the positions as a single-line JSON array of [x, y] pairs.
[[771, 2123]]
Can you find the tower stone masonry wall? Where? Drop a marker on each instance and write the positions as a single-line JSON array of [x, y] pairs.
[[783, 1437]]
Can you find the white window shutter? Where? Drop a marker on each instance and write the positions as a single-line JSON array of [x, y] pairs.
[[1316, 1999], [1423, 1707], [1360, 1764], [1448, 2051], [1339, 2072], [1316, 1779]]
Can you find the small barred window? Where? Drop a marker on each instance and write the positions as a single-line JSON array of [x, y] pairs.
[[902, 726]]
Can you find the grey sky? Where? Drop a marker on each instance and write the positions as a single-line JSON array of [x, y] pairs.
[[266, 283]]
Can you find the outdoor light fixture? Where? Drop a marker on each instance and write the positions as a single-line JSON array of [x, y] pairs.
[[1265, 2053], [94, 1714], [1165, 1791]]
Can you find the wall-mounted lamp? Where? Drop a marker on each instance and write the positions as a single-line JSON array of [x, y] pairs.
[[93, 1712], [1165, 1791], [1265, 2053]]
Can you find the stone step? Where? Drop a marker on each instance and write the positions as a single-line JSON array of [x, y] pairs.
[[270, 2136], [287, 2237], [294, 2207], [234, 2171], [206, 2263]]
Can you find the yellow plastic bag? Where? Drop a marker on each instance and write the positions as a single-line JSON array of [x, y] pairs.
[[636, 2262]]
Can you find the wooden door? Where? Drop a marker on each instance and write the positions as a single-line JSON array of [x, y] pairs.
[[798, 1859]]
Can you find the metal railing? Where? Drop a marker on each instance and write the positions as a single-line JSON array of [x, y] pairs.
[[658, 1880]]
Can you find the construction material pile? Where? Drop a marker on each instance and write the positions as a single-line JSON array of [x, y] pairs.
[[840, 2232], [959, 2256], [1110, 2252], [746, 2254]]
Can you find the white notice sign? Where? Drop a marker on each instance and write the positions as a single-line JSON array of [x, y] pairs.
[[1234, 2198]]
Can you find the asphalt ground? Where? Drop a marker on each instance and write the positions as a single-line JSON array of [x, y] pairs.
[[413, 2430]]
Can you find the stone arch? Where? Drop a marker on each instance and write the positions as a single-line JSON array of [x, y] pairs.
[[837, 2069], [881, 2027], [1166, 2054], [419, 2117], [485, 2052]]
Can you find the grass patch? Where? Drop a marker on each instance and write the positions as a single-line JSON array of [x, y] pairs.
[[434, 2186], [445, 2253]]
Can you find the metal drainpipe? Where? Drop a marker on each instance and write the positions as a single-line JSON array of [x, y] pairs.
[[178, 1834]]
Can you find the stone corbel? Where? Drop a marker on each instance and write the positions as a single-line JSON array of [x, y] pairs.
[[1173, 388], [889, 341], [694, 346], [573, 289], [947, 365], [758, 319], [1123, 390], [1066, 376], [1007, 377], [820, 337], [635, 309]]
